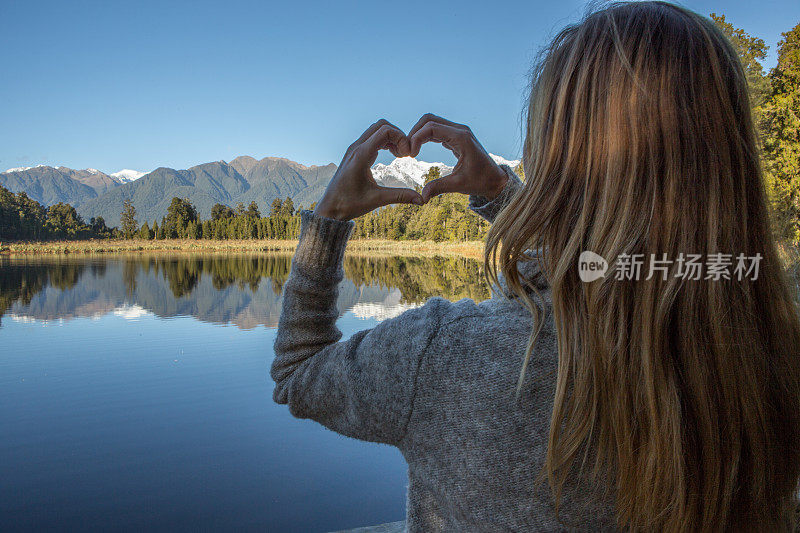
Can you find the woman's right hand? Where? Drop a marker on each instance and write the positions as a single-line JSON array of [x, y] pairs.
[[474, 173]]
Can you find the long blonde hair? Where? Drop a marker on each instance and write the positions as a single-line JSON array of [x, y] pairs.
[[682, 395]]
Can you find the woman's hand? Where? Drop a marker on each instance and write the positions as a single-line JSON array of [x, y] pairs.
[[353, 191], [475, 172]]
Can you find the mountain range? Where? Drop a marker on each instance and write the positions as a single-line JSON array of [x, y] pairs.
[[244, 179]]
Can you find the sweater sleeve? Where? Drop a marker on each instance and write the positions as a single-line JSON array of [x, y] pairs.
[[362, 387], [489, 209]]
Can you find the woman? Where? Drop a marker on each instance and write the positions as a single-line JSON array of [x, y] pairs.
[[661, 401]]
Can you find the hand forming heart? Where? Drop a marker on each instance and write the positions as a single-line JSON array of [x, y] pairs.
[[474, 173], [353, 190]]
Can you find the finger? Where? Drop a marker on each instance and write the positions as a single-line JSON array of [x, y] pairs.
[[449, 136], [368, 133], [430, 117], [402, 148], [372, 129], [385, 137], [449, 183], [396, 195]]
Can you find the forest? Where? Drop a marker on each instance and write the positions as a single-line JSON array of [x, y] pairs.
[[775, 100]]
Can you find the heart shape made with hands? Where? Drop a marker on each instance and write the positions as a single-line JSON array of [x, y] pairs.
[[475, 171], [353, 190]]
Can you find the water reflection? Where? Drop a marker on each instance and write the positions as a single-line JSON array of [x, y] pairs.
[[244, 290]]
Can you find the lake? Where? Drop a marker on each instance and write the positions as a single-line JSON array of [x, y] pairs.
[[135, 394]]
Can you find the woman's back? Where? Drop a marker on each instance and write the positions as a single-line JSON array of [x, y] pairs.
[[439, 383], [473, 447]]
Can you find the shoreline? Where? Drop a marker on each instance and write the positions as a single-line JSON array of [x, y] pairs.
[[470, 249]]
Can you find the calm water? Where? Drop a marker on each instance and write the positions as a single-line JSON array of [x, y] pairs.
[[135, 394]]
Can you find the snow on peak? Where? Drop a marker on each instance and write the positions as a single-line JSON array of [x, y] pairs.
[[406, 170], [126, 175], [411, 172], [502, 161], [92, 171], [22, 169]]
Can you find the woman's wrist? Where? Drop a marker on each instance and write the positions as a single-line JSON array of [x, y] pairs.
[[496, 182], [325, 209], [322, 241]]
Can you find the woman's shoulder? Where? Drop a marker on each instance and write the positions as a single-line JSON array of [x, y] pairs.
[[486, 332]]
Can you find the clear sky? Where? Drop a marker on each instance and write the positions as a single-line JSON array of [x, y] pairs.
[[138, 85]]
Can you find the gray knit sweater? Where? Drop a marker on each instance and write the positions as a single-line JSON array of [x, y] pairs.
[[439, 383]]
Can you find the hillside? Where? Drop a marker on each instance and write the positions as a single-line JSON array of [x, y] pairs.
[[244, 179], [50, 185]]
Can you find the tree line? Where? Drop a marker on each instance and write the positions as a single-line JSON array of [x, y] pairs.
[[23, 218], [183, 222], [443, 218]]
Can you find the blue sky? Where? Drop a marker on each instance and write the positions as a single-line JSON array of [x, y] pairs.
[[138, 85]]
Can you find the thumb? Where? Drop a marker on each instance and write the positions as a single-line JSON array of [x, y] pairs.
[[439, 186], [397, 195]]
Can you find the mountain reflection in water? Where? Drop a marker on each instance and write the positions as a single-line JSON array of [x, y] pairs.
[[243, 290]]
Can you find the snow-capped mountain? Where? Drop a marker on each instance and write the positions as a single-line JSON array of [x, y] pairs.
[[406, 172], [502, 161], [94, 193], [127, 175], [21, 169], [49, 184], [409, 172], [123, 176], [92, 171]]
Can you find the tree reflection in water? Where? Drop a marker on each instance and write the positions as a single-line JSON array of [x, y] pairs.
[[241, 289]]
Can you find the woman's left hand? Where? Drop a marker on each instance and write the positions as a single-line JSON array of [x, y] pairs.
[[353, 190]]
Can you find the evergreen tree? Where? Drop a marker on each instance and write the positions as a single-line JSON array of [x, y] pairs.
[[782, 137], [99, 228], [144, 232], [287, 209], [128, 219], [32, 217], [64, 221], [774, 100], [252, 210], [220, 211], [9, 215], [434, 173], [752, 51], [275, 207], [191, 230], [220, 230], [179, 214]]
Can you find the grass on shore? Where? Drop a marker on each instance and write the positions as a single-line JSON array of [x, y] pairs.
[[473, 249]]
